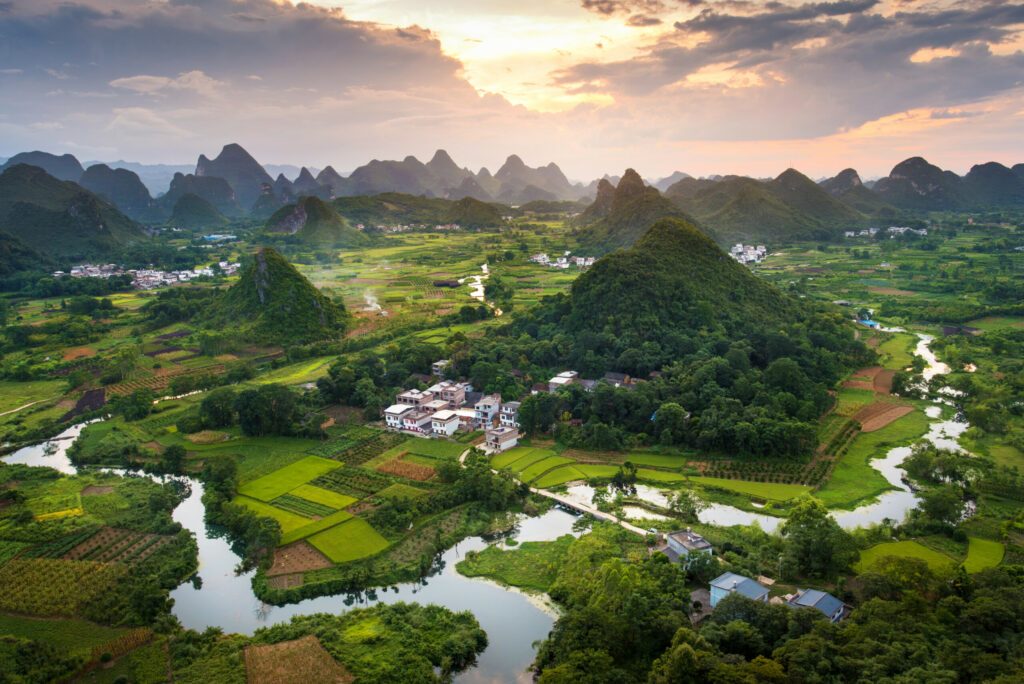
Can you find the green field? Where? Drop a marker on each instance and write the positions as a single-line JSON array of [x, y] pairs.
[[283, 480], [542, 466], [349, 541], [400, 491], [903, 549], [14, 395], [436, 448], [507, 458], [323, 496], [990, 323], [73, 636], [769, 491], [531, 565], [673, 461], [311, 528], [983, 554], [289, 521], [658, 475], [853, 479], [559, 476], [898, 350]]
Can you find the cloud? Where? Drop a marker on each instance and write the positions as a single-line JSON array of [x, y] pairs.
[[610, 7], [195, 81], [641, 20]]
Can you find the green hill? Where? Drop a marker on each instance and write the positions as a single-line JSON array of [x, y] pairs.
[[674, 279], [16, 257], [472, 213], [619, 218], [192, 211], [60, 218], [740, 209], [273, 302], [313, 220], [848, 188], [396, 208]]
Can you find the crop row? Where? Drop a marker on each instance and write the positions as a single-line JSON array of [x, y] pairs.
[[353, 481], [60, 547], [301, 506], [364, 451], [44, 586]]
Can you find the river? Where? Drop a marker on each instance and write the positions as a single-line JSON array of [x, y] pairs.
[[893, 504], [512, 619]]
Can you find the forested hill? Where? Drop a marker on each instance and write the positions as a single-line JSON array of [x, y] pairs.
[[278, 303], [742, 368], [674, 280]]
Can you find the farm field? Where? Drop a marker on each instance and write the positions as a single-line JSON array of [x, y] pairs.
[[69, 634], [288, 478], [671, 461], [300, 661], [769, 491], [530, 565], [983, 554], [349, 541], [904, 549]]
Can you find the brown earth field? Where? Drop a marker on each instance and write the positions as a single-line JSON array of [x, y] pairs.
[[412, 471], [297, 557], [79, 353], [877, 415], [300, 661]]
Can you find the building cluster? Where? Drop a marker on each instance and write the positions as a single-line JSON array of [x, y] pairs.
[[447, 407], [571, 377], [748, 254], [406, 227], [220, 237], [564, 261], [892, 230], [146, 278]]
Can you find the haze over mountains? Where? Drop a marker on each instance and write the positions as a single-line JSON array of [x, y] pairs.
[[107, 204]]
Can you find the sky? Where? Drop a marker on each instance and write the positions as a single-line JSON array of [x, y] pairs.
[[701, 86]]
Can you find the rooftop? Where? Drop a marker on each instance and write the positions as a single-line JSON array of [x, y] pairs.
[[398, 408], [690, 540], [744, 586], [822, 601], [445, 415]]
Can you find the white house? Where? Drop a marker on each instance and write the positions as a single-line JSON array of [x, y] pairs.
[[501, 438], [467, 418], [730, 582], [439, 368], [486, 409], [563, 379], [509, 414], [394, 414], [453, 393], [444, 423], [418, 420], [683, 544]]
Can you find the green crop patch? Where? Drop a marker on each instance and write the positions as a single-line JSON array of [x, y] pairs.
[[311, 528], [349, 541], [507, 458], [323, 496], [542, 466], [559, 476], [597, 471], [400, 491], [983, 554], [658, 475], [303, 507], [673, 461], [289, 521], [903, 549], [770, 491], [436, 448], [284, 480]]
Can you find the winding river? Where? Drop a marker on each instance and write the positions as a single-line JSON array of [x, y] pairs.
[[512, 619]]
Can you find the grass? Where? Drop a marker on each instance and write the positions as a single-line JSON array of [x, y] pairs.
[[658, 475], [559, 476], [540, 467], [315, 527], [596, 471], [990, 323], [349, 541], [674, 461], [854, 480], [903, 549], [15, 394], [436, 448], [289, 521], [400, 491], [770, 491], [323, 496], [983, 554], [898, 350], [507, 458], [532, 565], [284, 480], [74, 636]]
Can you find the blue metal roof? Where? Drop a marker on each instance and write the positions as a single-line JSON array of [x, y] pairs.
[[744, 586], [826, 603]]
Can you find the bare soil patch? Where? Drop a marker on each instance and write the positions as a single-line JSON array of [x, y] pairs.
[[883, 381], [79, 353], [96, 490], [863, 378], [296, 558], [877, 415], [207, 437], [293, 662], [344, 414], [412, 471]]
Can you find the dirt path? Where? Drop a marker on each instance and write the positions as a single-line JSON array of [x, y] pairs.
[[15, 410]]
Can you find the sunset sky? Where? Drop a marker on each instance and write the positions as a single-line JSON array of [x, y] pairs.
[[702, 86]]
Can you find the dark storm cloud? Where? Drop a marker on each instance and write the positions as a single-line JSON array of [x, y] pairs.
[[610, 7]]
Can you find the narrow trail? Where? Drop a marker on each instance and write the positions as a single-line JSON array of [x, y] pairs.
[[15, 410]]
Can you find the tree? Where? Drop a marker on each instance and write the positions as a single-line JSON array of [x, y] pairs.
[[686, 505], [670, 423], [134, 406], [943, 504], [173, 458], [269, 410], [814, 544], [218, 408]]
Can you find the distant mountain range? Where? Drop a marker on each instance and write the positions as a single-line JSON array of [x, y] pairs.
[[235, 185]]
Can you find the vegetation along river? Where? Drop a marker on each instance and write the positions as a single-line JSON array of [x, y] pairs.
[[512, 619]]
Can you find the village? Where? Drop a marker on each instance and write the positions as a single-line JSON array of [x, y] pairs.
[[564, 261], [892, 230], [148, 279], [748, 254]]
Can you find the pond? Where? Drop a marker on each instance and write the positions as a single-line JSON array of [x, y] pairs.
[[512, 619]]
